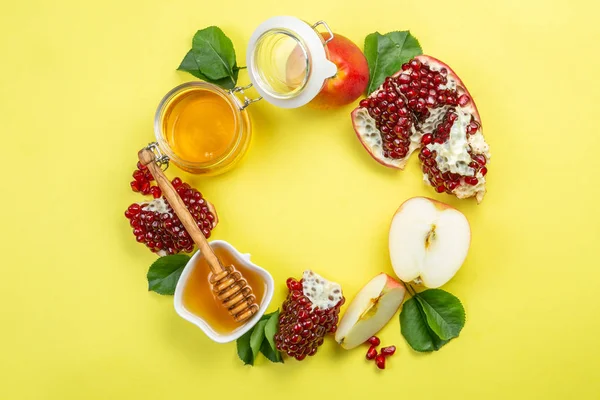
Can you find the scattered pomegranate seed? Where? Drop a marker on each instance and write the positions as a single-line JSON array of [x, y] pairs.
[[374, 341], [380, 361], [371, 353], [135, 186], [388, 351]]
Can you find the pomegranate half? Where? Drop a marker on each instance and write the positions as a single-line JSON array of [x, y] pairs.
[[426, 106]]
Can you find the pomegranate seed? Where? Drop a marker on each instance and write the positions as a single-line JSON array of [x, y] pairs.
[[472, 127], [452, 185], [426, 139], [145, 187], [135, 186], [483, 171], [463, 100], [374, 341], [155, 191], [176, 183], [371, 353], [139, 175], [415, 64], [140, 166], [380, 361], [364, 103], [440, 189], [479, 159], [388, 351], [471, 180]]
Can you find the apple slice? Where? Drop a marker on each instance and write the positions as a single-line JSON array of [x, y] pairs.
[[429, 241], [370, 310]]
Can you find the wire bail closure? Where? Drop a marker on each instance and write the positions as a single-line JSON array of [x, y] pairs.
[[327, 28], [247, 101], [160, 159]]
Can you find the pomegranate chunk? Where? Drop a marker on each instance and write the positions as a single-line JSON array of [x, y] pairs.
[[426, 106], [310, 311], [156, 225]]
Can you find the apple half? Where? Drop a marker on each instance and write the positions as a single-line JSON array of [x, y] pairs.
[[372, 307], [428, 241]]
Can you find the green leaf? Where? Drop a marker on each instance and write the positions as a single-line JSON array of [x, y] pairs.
[[444, 312], [257, 337], [271, 329], [212, 58], [190, 65], [244, 350], [272, 354], [386, 54], [165, 272], [414, 328]]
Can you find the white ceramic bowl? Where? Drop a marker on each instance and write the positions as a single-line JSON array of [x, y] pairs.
[[242, 259]]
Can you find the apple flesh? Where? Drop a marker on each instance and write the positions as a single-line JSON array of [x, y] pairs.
[[428, 241], [348, 84], [372, 307]]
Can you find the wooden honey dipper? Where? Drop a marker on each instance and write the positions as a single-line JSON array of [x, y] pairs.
[[229, 285]]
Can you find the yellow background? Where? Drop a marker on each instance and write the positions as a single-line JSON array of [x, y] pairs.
[[79, 83]]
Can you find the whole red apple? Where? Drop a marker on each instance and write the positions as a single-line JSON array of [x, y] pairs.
[[352, 76]]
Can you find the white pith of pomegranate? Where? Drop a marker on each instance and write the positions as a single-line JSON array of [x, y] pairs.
[[426, 106]]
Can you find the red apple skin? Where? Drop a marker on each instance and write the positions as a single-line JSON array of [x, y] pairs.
[[352, 76]]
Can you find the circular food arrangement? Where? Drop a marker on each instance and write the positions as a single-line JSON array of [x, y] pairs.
[[406, 102]]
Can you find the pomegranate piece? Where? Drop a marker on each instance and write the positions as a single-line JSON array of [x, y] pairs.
[[371, 353], [156, 225], [374, 341], [388, 351], [310, 311], [426, 106], [380, 361]]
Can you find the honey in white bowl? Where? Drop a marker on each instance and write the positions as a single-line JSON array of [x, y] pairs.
[[198, 298]]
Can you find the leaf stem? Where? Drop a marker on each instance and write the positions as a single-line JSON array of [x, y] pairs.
[[410, 289]]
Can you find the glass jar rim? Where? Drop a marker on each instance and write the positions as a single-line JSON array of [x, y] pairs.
[[227, 96]]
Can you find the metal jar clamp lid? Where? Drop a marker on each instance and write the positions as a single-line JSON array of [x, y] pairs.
[[287, 61]]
